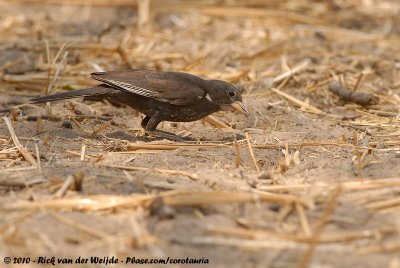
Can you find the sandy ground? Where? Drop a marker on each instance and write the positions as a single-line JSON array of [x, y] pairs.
[[315, 183]]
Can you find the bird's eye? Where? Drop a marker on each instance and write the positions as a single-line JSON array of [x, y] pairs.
[[231, 93]]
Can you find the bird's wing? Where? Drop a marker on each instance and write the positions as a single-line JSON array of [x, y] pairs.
[[173, 87]]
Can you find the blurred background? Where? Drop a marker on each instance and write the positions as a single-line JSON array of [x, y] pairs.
[[284, 55], [240, 41]]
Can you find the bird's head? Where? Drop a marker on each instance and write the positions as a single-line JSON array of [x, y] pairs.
[[227, 96]]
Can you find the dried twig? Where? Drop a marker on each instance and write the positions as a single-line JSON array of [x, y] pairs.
[[305, 259], [192, 176], [303, 105], [39, 165], [25, 153], [67, 183], [253, 157], [297, 68], [236, 147]]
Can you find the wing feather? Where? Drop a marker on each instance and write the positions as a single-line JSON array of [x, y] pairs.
[[173, 87]]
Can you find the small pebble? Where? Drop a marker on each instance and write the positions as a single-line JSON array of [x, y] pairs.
[[67, 124]]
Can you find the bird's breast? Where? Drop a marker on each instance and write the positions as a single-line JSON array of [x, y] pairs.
[[166, 111]]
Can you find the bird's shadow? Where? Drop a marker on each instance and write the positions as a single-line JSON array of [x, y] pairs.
[[121, 135]]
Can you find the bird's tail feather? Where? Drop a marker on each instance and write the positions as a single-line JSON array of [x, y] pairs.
[[93, 91]]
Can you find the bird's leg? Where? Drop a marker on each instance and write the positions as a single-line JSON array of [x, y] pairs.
[[150, 125], [145, 121]]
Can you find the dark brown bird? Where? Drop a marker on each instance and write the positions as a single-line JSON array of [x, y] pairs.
[[160, 96]]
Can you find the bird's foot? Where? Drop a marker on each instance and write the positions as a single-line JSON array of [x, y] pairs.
[[168, 135]]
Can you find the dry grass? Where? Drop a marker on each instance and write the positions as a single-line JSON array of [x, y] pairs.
[[313, 182]]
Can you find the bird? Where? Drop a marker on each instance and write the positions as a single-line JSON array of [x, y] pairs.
[[160, 96]]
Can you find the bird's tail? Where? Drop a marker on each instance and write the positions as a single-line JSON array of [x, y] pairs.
[[93, 91]]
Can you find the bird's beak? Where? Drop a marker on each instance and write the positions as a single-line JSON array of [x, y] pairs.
[[240, 107]]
